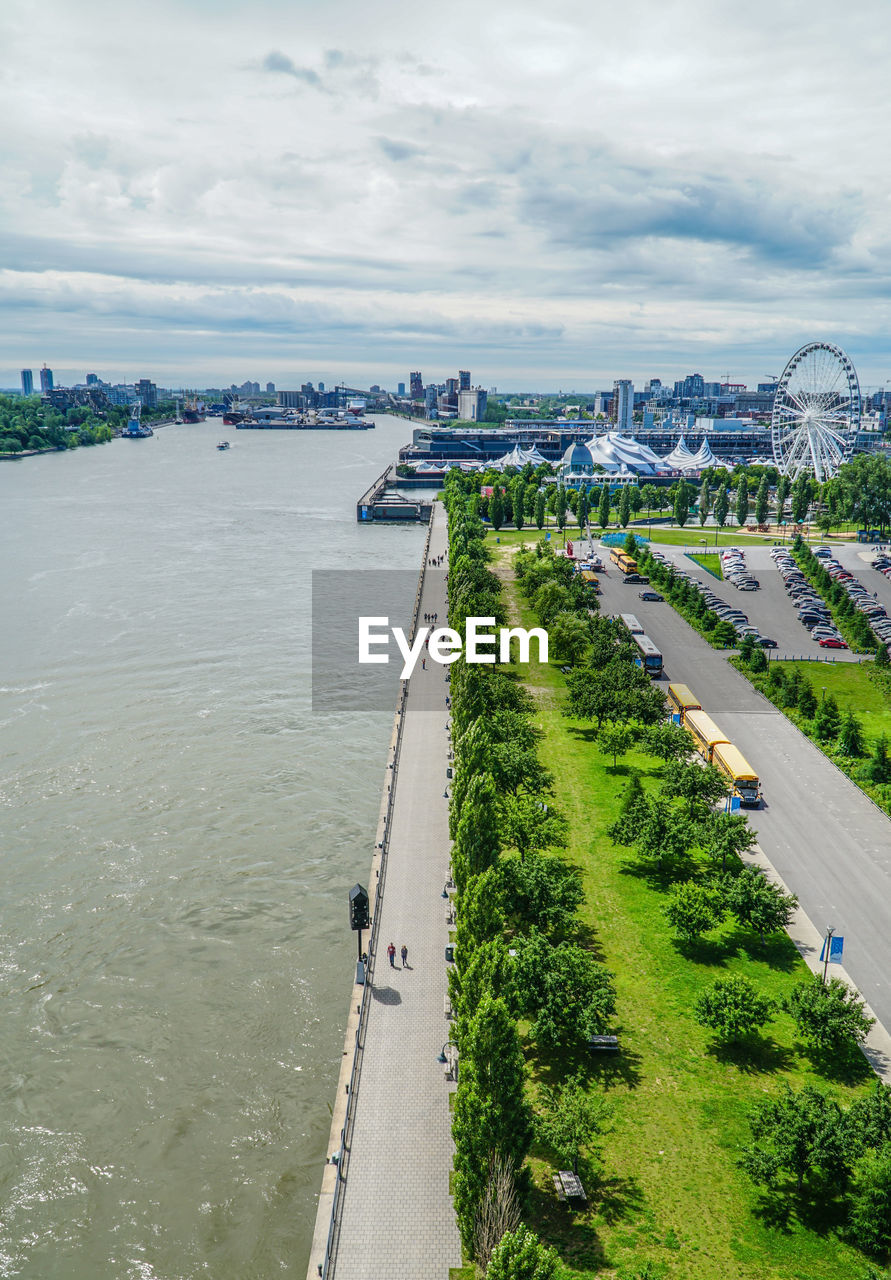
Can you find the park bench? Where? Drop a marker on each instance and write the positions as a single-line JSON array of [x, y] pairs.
[[558, 1187], [604, 1044]]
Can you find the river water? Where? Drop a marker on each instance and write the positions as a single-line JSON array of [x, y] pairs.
[[179, 832]]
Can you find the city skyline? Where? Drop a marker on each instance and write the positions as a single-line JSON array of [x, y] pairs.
[[565, 200]]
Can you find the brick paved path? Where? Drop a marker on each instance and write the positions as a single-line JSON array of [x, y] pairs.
[[397, 1220]]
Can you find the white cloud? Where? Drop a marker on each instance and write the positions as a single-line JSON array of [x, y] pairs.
[[568, 196]]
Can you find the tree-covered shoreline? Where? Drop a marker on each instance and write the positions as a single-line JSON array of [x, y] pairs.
[[28, 425]]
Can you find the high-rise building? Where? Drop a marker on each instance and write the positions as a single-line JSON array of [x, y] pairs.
[[270, 388], [472, 405], [622, 412], [93, 380], [147, 392], [463, 379], [416, 386], [321, 386], [400, 389], [451, 387], [46, 379], [27, 382]]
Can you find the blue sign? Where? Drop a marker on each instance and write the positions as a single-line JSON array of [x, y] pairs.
[[675, 717], [547, 537], [734, 804], [836, 948]]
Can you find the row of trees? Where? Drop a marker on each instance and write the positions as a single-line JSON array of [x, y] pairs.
[[27, 423], [853, 624], [682, 593], [517, 952]]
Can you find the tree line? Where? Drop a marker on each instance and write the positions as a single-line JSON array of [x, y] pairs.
[[27, 423]]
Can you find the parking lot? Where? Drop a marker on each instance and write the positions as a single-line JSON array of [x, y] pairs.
[[828, 841], [769, 609]]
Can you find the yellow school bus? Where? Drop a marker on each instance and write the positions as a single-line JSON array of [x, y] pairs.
[[705, 733], [731, 761], [681, 699], [622, 560]]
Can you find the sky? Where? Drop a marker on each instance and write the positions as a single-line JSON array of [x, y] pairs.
[[204, 191]]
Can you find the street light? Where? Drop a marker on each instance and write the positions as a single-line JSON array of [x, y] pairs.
[[828, 944]]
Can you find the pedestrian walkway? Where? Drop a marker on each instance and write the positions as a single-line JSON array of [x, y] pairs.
[[397, 1219]]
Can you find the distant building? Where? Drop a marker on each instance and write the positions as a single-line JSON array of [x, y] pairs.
[[375, 388], [291, 399], [27, 382], [767, 386], [93, 379], [321, 386], [622, 411], [430, 397], [416, 386], [270, 388], [472, 405], [147, 392], [463, 379], [400, 388], [46, 379]]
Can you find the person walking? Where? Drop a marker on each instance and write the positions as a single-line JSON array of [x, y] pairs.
[[391, 952], [404, 954]]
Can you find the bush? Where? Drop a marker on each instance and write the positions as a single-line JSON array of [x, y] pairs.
[[732, 1008], [829, 1015], [871, 1202]]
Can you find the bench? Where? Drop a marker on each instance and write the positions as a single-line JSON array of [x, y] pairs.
[[558, 1187], [450, 914], [571, 1185], [604, 1044]]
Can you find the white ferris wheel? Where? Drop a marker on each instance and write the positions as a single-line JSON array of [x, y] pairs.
[[816, 411]]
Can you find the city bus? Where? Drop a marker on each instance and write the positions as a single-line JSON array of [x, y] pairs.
[[681, 700], [631, 623], [704, 732], [622, 560], [731, 761], [648, 656]]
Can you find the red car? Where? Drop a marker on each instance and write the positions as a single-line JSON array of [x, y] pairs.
[[831, 643]]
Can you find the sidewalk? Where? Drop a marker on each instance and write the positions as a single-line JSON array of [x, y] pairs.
[[397, 1218]]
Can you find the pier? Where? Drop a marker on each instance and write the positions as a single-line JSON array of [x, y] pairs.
[[385, 1207], [383, 501]]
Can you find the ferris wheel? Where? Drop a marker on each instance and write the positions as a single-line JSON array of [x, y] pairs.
[[816, 411]]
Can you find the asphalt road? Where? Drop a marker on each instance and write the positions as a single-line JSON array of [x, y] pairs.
[[829, 843]]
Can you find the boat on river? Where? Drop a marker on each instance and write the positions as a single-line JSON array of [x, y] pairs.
[[135, 429], [224, 444]]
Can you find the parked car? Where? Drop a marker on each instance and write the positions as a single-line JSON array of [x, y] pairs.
[[765, 642], [651, 595], [635, 577], [832, 642]]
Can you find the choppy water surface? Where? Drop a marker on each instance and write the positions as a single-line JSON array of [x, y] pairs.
[[178, 832]]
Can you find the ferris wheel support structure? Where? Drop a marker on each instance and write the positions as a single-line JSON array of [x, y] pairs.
[[816, 411]]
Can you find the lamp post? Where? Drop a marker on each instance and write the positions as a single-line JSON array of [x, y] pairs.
[[829, 932]]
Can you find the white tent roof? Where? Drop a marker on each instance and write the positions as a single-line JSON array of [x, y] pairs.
[[680, 458], [519, 457], [704, 457], [615, 452]]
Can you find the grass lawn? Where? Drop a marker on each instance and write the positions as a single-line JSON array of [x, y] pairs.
[[855, 687], [711, 563], [692, 536], [669, 1193]]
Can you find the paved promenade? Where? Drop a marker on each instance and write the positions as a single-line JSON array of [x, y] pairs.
[[397, 1218]]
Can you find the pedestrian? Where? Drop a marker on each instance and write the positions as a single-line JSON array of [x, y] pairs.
[[404, 956], [423, 664], [391, 952]]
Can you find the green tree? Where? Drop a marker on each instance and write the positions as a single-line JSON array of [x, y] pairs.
[[603, 507], [758, 662], [698, 786], [781, 496], [732, 1008], [560, 507], [477, 843], [870, 1220], [801, 497], [850, 738], [615, 740], [521, 1256], [562, 989], [529, 823], [629, 546], [663, 835], [878, 768], [882, 658], [540, 891], [722, 504], [570, 1119], [624, 507], [795, 1133], [762, 501], [582, 509], [540, 509], [681, 510], [742, 501], [725, 835], [570, 636], [827, 721], [757, 903], [496, 508], [829, 1014], [648, 496], [517, 497], [694, 909], [807, 700], [668, 741], [705, 498], [491, 1115]]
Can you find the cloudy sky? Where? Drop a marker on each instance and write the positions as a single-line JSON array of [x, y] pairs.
[[552, 196]]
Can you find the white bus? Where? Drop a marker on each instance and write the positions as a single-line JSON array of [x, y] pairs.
[[631, 623]]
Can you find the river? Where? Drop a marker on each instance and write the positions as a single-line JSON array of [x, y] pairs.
[[179, 831]]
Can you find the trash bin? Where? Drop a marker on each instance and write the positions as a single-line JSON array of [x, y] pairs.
[[450, 953], [448, 771]]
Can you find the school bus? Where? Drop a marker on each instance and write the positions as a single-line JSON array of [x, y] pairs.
[[681, 700], [731, 761], [589, 577], [704, 732], [623, 561]]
